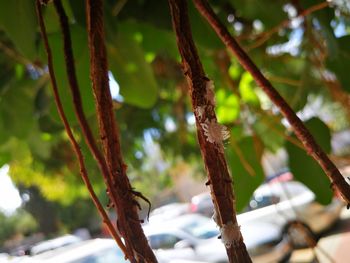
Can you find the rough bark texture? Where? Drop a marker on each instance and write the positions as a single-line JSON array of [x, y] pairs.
[[75, 145], [211, 146], [311, 146], [128, 222]]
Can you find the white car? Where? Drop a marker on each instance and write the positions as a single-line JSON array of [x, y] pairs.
[[90, 251], [291, 206], [288, 205], [54, 243], [195, 237], [280, 216]]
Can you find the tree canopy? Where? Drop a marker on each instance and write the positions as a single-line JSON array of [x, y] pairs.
[[302, 46]]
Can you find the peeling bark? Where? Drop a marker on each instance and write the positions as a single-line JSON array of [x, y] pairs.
[[210, 135]]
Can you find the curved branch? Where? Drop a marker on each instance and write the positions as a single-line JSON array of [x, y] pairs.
[[311, 146], [75, 145]]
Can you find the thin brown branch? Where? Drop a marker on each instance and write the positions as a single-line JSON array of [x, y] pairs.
[[18, 57], [264, 36], [250, 170], [77, 101], [303, 134], [128, 221], [283, 80], [75, 145], [209, 134], [272, 124], [118, 7]]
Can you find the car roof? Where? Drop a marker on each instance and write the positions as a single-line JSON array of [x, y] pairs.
[[54, 243], [75, 251], [290, 188], [176, 224]]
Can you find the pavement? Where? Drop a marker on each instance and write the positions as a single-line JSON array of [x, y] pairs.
[[333, 247]]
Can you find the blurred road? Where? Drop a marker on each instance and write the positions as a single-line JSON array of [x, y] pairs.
[[333, 247]]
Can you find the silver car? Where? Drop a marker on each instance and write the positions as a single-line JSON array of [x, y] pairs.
[[195, 237], [289, 205], [280, 216], [90, 251]]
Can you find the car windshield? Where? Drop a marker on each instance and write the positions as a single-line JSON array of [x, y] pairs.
[[202, 228]]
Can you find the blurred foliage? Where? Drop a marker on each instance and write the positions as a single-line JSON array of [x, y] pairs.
[[307, 58], [18, 223]]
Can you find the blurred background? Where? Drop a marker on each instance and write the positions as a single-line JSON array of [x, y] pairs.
[[302, 47]]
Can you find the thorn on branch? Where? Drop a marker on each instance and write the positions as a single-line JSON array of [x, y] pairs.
[[140, 195], [137, 204]]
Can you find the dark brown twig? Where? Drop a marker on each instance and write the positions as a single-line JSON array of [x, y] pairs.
[[128, 221], [210, 135], [300, 130], [77, 101], [264, 36], [75, 145]]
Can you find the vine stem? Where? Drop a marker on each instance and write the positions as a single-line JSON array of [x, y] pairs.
[[77, 101], [128, 221], [210, 141], [74, 143], [303, 134]]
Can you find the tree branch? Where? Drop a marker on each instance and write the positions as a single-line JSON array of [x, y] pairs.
[[75, 145], [18, 57], [77, 101], [128, 221], [311, 146], [264, 36], [210, 135]]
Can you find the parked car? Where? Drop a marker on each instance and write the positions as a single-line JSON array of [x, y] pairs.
[[202, 204], [168, 211], [195, 237], [54, 243], [289, 205], [90, 251]]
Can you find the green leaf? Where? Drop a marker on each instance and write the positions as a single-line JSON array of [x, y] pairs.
[[305, 169], [39, 147], [341, 63], [145, 34], [246, 169], [246, 89], [228, 106], [78, 10], [16, 113], [270, 13], [271, 131], [203, 34], [299, 95], [133, 74], [81, 57], [18, 20]]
